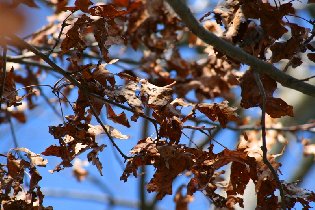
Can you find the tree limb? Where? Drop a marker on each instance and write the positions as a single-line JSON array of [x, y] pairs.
[[237, 53], [264, 140]]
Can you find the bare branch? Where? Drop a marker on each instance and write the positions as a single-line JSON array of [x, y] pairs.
[[264, 141], [63, 25]]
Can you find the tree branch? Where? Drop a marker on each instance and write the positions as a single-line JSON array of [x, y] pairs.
[[264, 140], [237, 53]]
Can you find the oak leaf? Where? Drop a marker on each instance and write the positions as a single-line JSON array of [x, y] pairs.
[[92, 157], [156, 96], [120, 118], [98, 129], [251, 96], [311, 56], [218, 112], [35, 159], [83, 5], [107, 11]]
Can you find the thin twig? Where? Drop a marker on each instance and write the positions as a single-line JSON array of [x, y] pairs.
[[19, 58], [54, 91], [99, 183], [192, 134], [46, 99], [35, 80], [200, 128], [49, 26], [15, 142], [63, 25], [98, 119], [264, 141], [142, 193], [28, 63], [210, 138]]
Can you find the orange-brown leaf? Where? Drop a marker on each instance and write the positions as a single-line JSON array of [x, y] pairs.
[[218, 112], [251, 96], [276, 108], [35, 159], [121, 3], [53, 151], [83, 5], [93, 157], [311, 56], [181, 200], [107, 11], [120, 118]]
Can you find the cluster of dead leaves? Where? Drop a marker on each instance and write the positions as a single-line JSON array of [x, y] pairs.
[[77, 135], [203, 168], [14, 194], [251, 96], [151, 25], [10, 96], [238, 19], [75, 138]]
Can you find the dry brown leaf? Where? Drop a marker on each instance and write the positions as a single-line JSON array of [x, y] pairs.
[[218, 112], [35, 159], [93, 157], [35, 178], [251, 97], [128, 92], [9, 95], [107, 11], [53, 150], [311, 56], [156, 96], [83, 5], [78, 169], [102, 75], [120, 118], [98, 129], [181, 200], [15, 166]]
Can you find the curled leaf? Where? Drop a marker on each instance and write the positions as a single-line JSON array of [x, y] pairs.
[[35, 159], [98, 129]]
